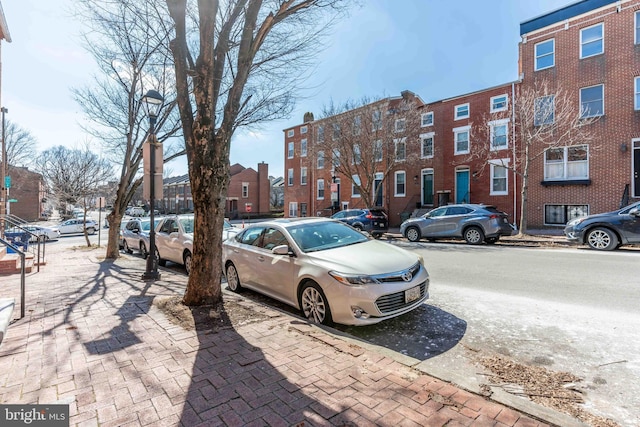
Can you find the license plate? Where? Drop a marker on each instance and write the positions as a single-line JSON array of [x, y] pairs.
[[412, 294]]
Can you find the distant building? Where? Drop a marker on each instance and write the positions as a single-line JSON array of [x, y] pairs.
[[29, 192]]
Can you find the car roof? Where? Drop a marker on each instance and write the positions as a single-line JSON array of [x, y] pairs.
[[291, 222]]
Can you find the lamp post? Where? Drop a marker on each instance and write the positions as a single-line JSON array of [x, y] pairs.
[[152, 101]]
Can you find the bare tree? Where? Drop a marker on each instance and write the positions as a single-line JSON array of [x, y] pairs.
[[246, 69], [543, 122], [129, 41], [74, 176], [369, 137], [20, 144]]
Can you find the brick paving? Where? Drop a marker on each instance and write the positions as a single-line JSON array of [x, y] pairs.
[[93, 340]]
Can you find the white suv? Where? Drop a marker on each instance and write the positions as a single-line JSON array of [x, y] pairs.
[[73, 226], [135, 211]]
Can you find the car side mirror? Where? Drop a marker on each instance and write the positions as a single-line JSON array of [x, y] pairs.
[[635, 212], [282, 250]]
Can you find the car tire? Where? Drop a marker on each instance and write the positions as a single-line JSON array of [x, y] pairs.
[[188, 261], [602, 239], [376, 235], [126, 247], [233, 281], [412, 234], [314, 304], [161, 262], [474, 235], [143, 250], [358, 227], [491, 240], [91, 231]]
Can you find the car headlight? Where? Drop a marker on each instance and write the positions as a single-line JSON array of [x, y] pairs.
[[353, 279], [575, 222]]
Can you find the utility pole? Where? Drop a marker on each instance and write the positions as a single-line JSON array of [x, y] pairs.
[[4, 202]]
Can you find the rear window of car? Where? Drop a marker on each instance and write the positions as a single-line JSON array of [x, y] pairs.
[[493, 209], [378, 212]]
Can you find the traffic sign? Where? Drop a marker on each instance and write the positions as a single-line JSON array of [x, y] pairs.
[[13, 200]]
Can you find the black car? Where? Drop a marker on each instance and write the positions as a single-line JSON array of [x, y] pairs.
[[373, 221], [606, 231]]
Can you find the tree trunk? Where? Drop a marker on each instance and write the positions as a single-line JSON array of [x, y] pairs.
[[523, 194]]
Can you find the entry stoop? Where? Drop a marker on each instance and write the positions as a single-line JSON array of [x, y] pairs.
[[6, 311], [10, 262]]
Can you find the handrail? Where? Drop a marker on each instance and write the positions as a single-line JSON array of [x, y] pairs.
[[22, 274], [39, 238]]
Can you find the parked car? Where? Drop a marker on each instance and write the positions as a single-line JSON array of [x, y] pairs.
[[472, 222], [135, 211], [326, 269], [35, 231], [373, 221], [135, 235], [606, 231], [229, 230], [72, 226]]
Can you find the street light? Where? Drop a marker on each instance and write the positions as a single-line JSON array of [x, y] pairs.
[[152, 102]]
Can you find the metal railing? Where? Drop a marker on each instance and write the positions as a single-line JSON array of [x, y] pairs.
[[23, 260], [12, 222]]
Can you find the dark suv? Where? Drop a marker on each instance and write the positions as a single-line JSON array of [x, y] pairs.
[[607, 231], [373, 221]]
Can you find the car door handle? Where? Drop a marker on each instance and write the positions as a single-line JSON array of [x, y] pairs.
[[261, 258]]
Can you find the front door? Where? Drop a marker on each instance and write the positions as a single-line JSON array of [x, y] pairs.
[[427, 187], [636, 168], [462, 186], [377, 188]]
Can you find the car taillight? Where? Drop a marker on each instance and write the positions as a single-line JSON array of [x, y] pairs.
[[368, 216], [494, 216]]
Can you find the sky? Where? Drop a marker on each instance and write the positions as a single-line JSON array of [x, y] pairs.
[[434, 48]]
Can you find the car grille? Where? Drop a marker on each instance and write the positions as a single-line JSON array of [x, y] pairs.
[[397, 276], [390, 303]]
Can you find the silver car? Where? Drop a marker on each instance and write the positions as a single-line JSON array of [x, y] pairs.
[[74, 226], [474, 223], [135, 235], [326, 269]]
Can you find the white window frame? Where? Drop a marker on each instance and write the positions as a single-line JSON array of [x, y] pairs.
[[400, 142], [458, 111], [376, 120], [357, 125], [357, 155], [290, 150], [495, 99], [303, 147], [335, 131], [320, 189], [303, 130], [636, 95], [601, 39], [320, 133], [245, 190], [502, 163], [290, 177], [492, 126], [426, 119], [566, 164], [400, 125], [293, 209], [456, 132], [583, 113], [290, 133], [355, 179], [537, 103], [423, 138], [553, 55], [303, 175], [395, 184], [320, 160], [378, 150]]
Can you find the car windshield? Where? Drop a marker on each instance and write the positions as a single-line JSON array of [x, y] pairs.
[[325, 235], [146, 225], [187, 224], [227, 224]]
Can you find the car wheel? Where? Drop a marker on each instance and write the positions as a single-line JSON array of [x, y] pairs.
[[91, 230], [161, 262], [376, 235], [358, 227], [412, 233], [602, 239], [491, 240], [187, 258], [143, 250], [126, 247], [473, 235], [233, 281], [314, 304]]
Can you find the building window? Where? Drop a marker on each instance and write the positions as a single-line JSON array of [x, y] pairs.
[[637, 93], [400, 125], [499, 178], [562, 214], [566, 163], [303, 130], [499, 134], [290, 150], [245, 190], [592, 41], [290, 133], [303, 175], [461, 140], [426, 145], [303, 210], [637, 27], [461, 111], [293, 209], [320, 133], [303, 148], [335, 162], [499, 103], [357, 125], [376, 120], [400, 184], [355, 182], [320, 195], [357, 154], [544, 110], [545, 54], [320, 160], [427, 119], [592, 101], [290, 177], [336, 131], [377, 150], [401, 149]]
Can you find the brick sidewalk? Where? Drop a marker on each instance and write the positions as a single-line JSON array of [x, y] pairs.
[[92, 339]]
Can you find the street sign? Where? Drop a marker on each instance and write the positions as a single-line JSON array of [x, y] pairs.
[[7, 182], [247, 207], [13, 200]]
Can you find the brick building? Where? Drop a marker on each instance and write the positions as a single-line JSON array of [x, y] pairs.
[[29, 190], [464, 147]]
